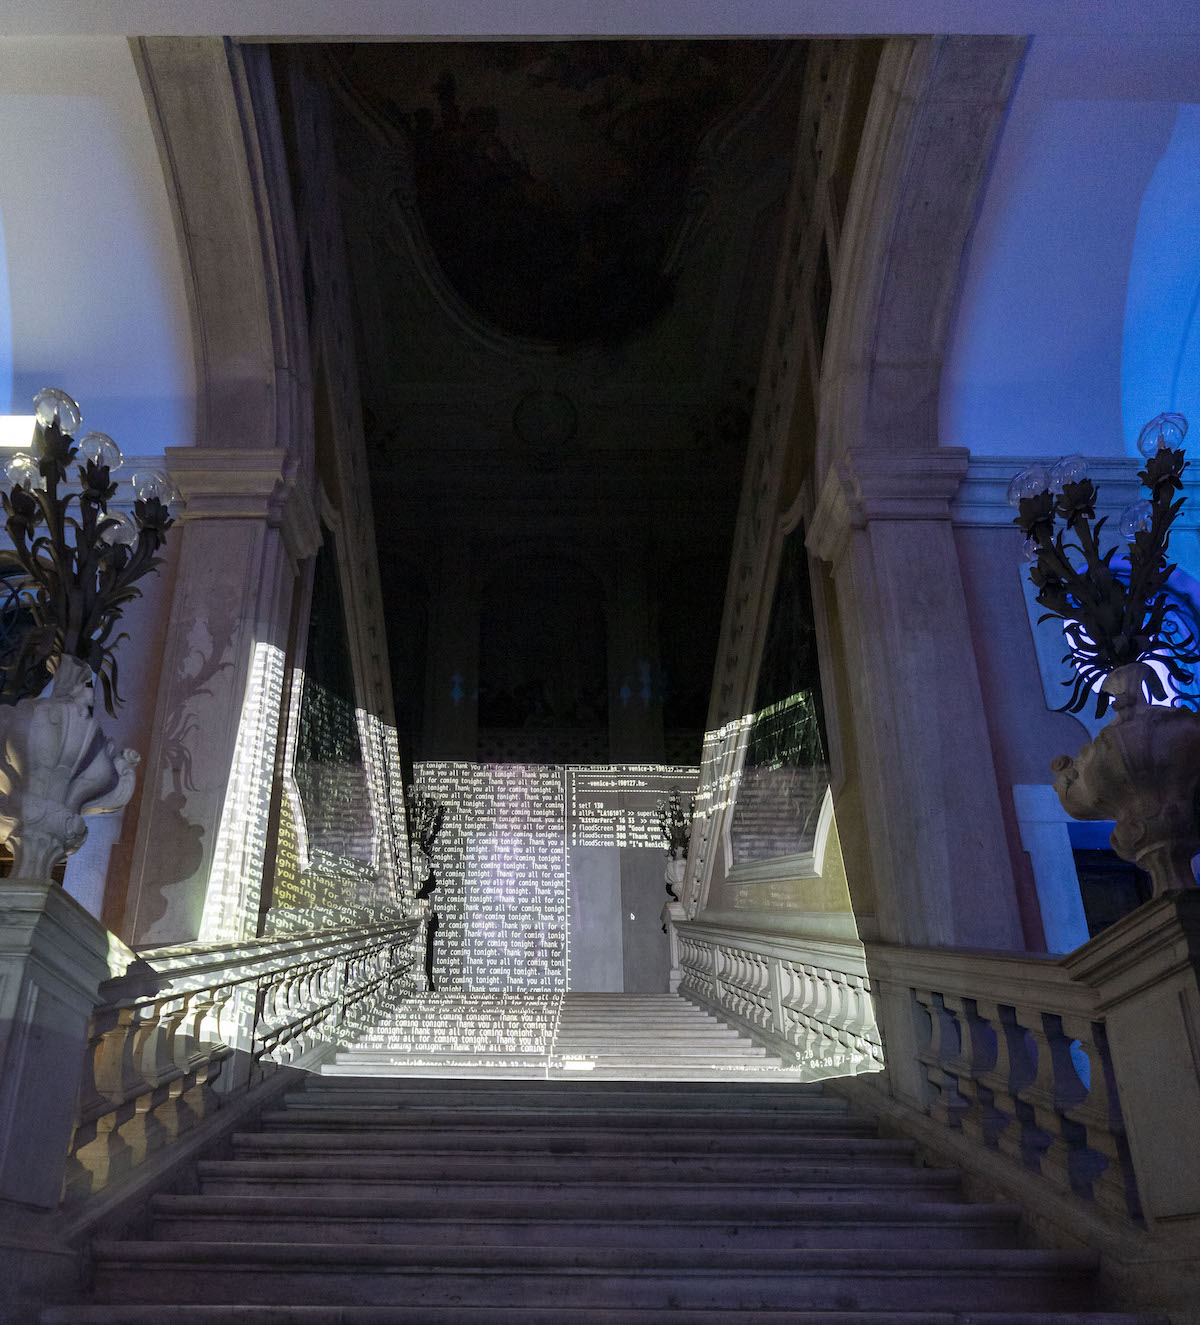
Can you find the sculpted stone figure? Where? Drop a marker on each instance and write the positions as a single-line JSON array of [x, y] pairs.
[[56, 765]]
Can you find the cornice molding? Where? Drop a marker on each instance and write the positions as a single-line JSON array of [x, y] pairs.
[[238, 484], [864, 486], [982, 499]]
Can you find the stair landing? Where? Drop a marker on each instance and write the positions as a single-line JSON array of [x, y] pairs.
[[570, 1036]]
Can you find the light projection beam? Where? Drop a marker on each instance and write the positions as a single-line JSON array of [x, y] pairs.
[[503, 860], [235, 881]]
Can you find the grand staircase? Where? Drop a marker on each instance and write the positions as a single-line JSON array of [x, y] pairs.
[[376, 1200]]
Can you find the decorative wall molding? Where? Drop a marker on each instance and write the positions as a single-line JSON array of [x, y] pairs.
[[981, 502]]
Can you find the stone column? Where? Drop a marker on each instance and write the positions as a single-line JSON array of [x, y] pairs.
[[1145, 970], [936, 836], [201, 843]]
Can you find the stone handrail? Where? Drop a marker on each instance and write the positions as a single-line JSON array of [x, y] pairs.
[[808, 999], [185, 1026], [1011, 1054], [1005, 1054]]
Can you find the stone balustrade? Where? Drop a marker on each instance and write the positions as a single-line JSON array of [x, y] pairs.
[[808, 999], [1010, 1054], [185, 1027]]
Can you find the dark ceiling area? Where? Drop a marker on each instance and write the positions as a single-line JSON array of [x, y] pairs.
[[561, 257], [553, 179]]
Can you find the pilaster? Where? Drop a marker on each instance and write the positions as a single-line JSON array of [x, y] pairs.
[[936, 836], [201, 845]]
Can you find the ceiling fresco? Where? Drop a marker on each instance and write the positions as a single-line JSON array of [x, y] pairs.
[[554, 181]]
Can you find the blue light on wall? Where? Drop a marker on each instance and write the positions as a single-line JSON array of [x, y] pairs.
[[6, 345], [1160, 353]]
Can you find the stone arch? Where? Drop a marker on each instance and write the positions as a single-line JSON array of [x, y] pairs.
[[932, 126]]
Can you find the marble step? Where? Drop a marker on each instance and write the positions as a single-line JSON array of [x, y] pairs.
[[655, 1131], [403, 1179], [562, 1164], [579, 1221], [486, 1068], [717, 1090], [554, 1120], [701, 1058], [595, 1144], [724, 1096], [591, 1277], [218, 1314]]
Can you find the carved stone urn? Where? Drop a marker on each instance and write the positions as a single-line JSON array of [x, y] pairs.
[[1143, 771], [56, 765]]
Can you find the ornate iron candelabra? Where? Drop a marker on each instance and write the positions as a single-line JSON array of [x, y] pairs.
[[1142, 771], [73, 566], [1111, 617]]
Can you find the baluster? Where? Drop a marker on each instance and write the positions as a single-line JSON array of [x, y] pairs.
[[1044, 1095], [774, 992], [1117, 1187], [98, 1151], [942, 1047], [981, 1121], [151, 1124], [1017, 1059], [1100, 1167], [814, 1030]]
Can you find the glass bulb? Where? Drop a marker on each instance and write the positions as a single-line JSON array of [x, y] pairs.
[[1029, 551], [1070, 469], [51, 403], [1164, 430], [100, 449], [1028, 483], [23, 469], [121, 531], [149, 483], [1135, 518]]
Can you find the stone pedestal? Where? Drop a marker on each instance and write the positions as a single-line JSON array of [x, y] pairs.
[[1146, 971], [53, 956]]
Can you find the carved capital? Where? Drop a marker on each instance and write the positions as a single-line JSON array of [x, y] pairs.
[[239, 484], [863, 486]]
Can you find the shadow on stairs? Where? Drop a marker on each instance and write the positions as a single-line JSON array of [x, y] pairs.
[[364, 1200]]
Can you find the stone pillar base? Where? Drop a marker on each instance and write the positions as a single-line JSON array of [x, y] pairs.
[[1146, 971], [53, 957]]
